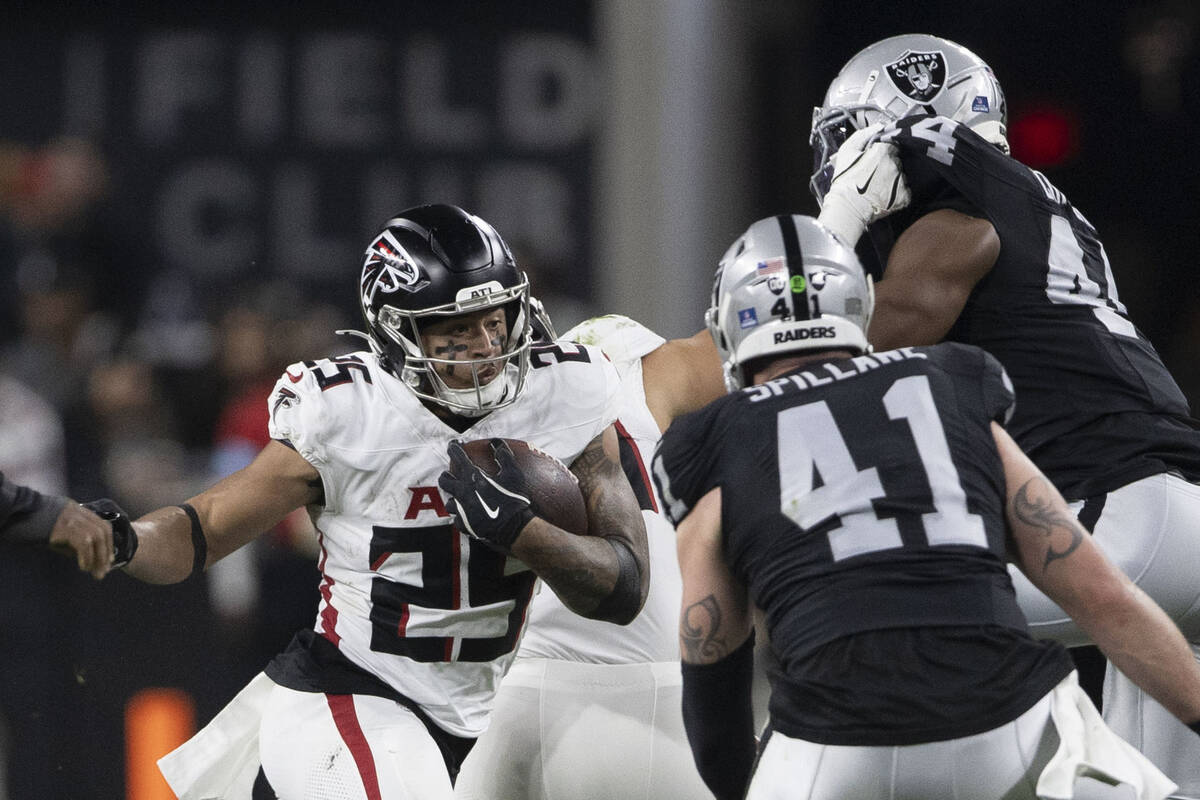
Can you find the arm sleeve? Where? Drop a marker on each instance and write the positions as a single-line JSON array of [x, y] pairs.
[[719, 721], [27, 516]]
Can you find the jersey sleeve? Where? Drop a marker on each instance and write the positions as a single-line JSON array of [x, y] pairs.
[[622, 339], [947, 165], [980, 380], [296, 412], [999, 398], [684, 463]]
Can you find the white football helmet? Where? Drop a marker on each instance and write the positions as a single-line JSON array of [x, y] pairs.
[[787, 285], [888, 79]]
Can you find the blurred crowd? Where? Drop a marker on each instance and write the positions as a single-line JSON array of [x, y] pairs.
[[121, 378]]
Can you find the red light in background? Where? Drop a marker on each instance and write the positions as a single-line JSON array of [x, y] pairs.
[[1043, 137]]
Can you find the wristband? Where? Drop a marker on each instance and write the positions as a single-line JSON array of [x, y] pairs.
[[625, 600], [841, 217], [199, 543], [1195, 726]]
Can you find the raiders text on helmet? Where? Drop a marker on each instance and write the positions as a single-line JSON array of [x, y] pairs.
[[438, 261], [787, 285], [890, 78]]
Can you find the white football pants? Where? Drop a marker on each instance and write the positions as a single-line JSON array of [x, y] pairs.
[[1151, 530], [349, 747], [1037, 755], [563, 730]]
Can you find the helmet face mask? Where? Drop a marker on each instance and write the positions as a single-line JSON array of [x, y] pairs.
[[787, 286], [438, 262], [893, 77]]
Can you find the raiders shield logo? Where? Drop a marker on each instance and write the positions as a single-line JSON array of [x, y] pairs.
[[920, 76]]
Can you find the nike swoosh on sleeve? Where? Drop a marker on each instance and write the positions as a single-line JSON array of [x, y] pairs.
[[293, 378]]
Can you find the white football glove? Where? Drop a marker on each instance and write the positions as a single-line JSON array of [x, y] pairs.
[[868, 184]]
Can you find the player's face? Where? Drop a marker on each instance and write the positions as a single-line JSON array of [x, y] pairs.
[[475, 336]]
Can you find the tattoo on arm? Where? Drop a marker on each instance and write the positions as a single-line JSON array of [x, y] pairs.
[[589, 465], [697, 632], [1035, 507]]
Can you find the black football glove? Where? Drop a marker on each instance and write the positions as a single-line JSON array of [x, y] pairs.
[[125, 540], [493, 509]]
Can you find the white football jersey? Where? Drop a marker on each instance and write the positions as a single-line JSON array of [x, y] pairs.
[[432, 612], [554, 631]]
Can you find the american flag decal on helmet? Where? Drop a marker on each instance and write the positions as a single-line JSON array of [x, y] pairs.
[[388, 268]]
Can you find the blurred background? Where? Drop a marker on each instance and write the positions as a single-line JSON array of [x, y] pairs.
[[185, 194]]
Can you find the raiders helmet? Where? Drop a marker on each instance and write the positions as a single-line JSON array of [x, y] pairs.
[[438, 261], [787, 285], [890, 78]]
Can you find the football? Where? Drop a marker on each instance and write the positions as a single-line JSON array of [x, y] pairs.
[[554, 490]]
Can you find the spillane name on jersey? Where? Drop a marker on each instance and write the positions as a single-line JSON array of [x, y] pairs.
[[824, 517], [1096, 408], [430, 611], [555, 631]]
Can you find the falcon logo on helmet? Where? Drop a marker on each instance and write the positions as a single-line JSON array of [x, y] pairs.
[[388, 268], [918, 75]]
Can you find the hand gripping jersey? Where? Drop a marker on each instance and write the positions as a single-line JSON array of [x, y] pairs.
[[554, 630], [862, 507], [1096, 407], [430, 612]]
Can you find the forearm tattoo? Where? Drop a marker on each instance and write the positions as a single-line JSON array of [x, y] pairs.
[[697, 632], [594, 469], [1034, 506]]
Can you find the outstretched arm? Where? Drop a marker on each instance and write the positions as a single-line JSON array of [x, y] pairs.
[[680, 376], [1060, 558], [228, 515]]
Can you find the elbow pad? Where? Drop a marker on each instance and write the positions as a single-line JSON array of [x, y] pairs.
[[719, 721], [625, 600]]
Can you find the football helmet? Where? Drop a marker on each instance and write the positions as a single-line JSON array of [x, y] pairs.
[[888, 79], [787, 285], [438, 261]]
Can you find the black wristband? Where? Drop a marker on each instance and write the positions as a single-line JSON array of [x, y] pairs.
[[625, 600], [1195, 726], [199, 543]]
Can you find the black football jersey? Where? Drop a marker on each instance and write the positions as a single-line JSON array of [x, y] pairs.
[[863, 506], [1096, 408]]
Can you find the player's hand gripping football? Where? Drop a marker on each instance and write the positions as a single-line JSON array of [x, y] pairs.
[[868, 184], [491, 508]]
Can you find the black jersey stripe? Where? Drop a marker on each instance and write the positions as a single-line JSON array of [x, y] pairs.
[[795, 264]]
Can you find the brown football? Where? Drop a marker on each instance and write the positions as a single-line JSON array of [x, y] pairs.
[[554, 490]]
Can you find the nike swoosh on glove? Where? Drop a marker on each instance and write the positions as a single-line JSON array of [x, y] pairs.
[[491, 508], [868, 184]]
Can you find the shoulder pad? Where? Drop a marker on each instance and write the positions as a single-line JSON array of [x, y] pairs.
[[621, 338]]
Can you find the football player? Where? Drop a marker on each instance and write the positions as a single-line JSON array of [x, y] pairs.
[[417, 619], [988, 252], [590, 710], [867, 503]]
